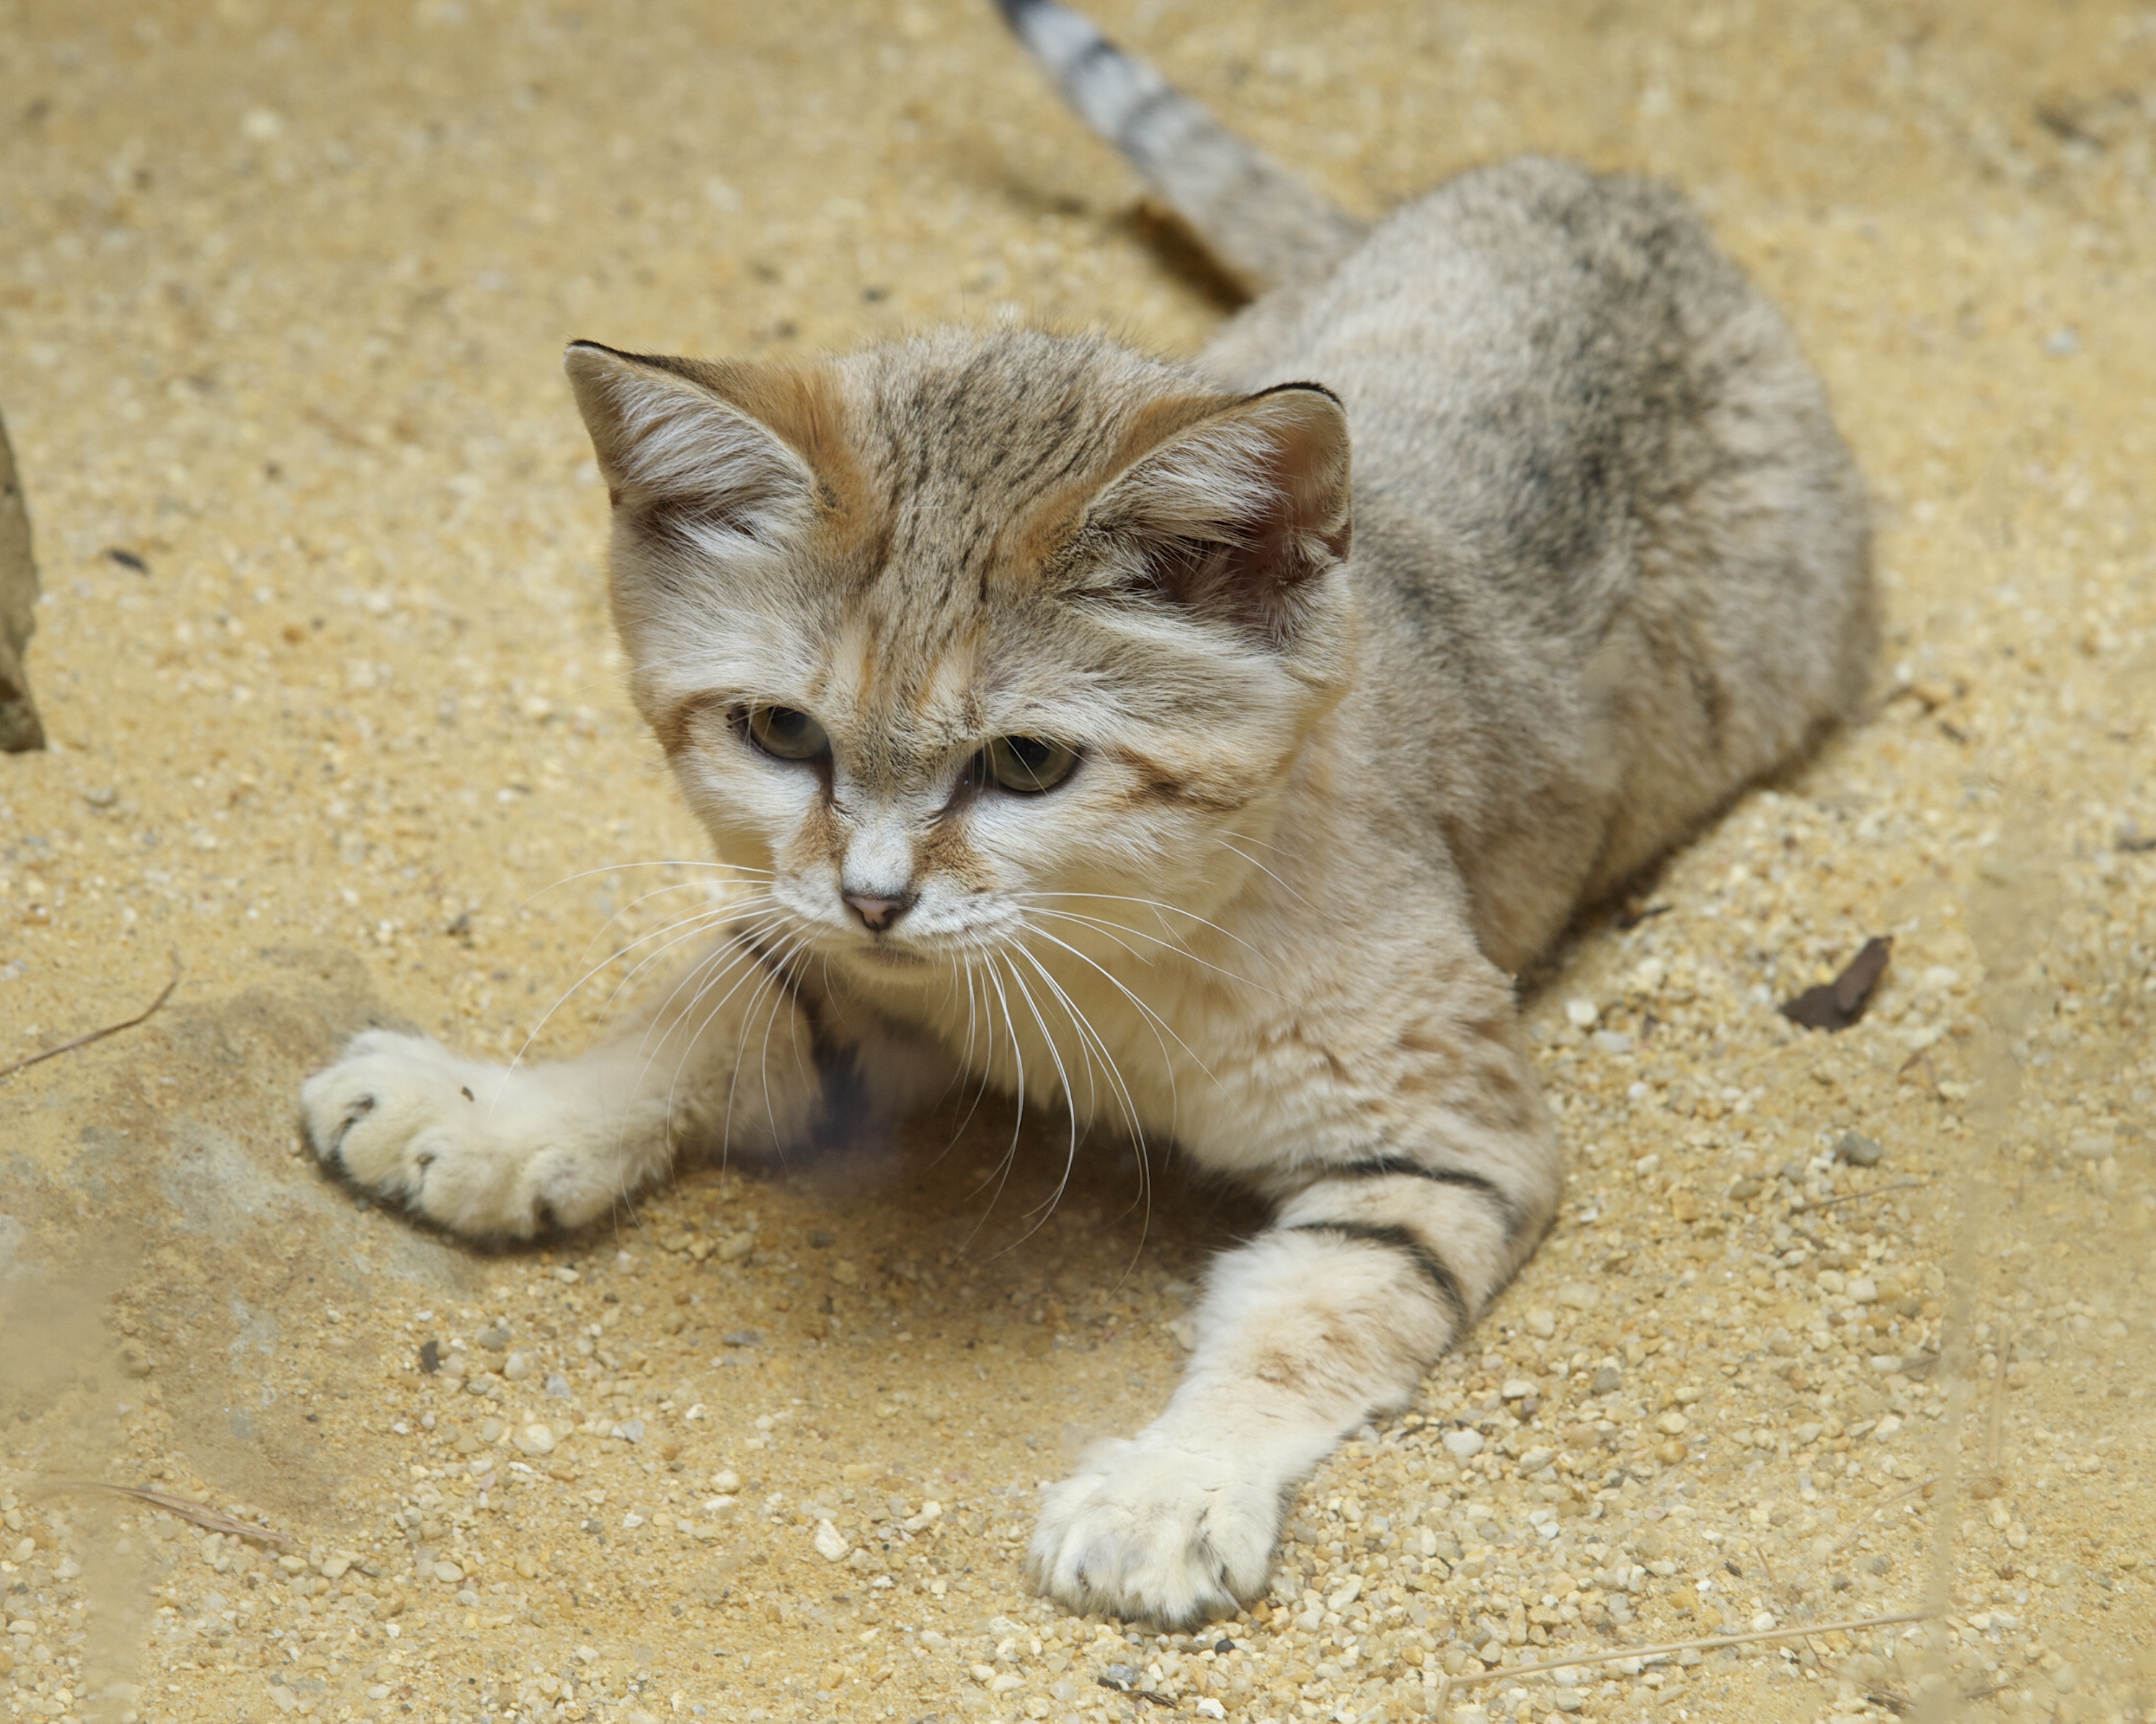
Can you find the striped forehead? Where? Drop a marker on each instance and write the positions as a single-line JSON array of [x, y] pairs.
[[900, 683]]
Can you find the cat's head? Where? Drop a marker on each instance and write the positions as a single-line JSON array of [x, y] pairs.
[[970, 635]]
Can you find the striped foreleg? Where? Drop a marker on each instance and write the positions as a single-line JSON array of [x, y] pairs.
[[1371, 1272]]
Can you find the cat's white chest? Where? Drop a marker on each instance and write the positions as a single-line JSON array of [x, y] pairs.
[[1171, 1049]]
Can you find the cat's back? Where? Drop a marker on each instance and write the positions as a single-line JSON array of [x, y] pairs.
[[1611, 548], [1524, 349]]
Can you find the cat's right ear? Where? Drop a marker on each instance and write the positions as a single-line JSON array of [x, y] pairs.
[[679, 457]]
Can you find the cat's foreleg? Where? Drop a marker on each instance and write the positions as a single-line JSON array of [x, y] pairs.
[[733, 1061], [1373, 1269]]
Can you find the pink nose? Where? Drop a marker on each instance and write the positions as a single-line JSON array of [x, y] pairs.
[[879, 913]]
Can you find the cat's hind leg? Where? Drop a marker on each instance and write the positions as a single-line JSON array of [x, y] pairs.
[[730, 1063], [1376, 1264]]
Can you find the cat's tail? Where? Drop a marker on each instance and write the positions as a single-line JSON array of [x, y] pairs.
[[1260, 222]]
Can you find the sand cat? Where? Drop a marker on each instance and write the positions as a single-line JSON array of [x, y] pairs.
[[1204, 747]]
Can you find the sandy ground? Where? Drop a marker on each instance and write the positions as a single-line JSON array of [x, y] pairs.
[[337, 722]]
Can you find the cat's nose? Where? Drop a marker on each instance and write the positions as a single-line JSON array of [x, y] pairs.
[[878, 911]]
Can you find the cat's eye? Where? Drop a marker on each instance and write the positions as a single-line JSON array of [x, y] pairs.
[[785, 732], [1027, 765]]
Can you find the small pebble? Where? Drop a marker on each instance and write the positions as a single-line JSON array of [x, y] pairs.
[[1463, 1445], [829, 1544], [535, 1439], [1857, 1149]]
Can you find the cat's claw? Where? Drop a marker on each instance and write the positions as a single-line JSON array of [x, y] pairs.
[[1153, 1530], [403, 1118]]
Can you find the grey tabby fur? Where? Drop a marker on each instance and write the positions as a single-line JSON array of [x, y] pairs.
[[1351, 750]]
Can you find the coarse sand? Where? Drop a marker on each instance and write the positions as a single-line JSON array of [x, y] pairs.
[[1832, 1327]]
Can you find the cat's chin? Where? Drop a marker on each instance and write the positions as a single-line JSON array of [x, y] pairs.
[[887, 960]]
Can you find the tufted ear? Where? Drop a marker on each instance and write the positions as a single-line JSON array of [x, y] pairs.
[[684, 453], [1234, 516]]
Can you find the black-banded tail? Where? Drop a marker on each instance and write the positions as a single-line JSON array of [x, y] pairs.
[[1260, 222]]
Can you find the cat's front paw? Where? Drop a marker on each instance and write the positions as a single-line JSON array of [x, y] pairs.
[[1153, 1530], [403, 1117]]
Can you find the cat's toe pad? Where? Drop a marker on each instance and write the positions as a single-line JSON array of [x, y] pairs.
[[1154, 1530]]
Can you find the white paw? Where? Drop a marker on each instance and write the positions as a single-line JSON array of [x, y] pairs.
[[1156, 1531], [403, 1117]]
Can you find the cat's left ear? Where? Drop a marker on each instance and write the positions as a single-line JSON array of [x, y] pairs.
[[1235, 515]]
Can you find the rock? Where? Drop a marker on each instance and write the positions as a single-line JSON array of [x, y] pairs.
[[1607, 1381], [516, 1366], [20, 727], [1857, 1149], [1581, 1014], [448, 1573], [1542, 1325], [1579, 1295], [535, 1439], [930, 1512], [829, 1545], [1463, 1445]]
